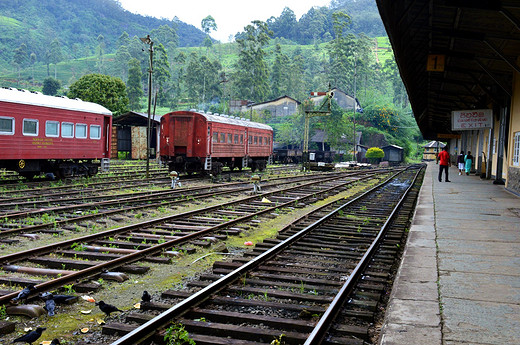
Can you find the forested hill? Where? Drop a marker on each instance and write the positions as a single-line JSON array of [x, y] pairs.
[[317, 23], [77, 24]]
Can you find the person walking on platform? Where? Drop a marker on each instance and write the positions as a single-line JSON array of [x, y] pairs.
[[460, 162], [444, 163], [468, 159]]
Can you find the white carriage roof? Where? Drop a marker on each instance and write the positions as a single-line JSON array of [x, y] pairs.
[[233, 120], [39, 99]]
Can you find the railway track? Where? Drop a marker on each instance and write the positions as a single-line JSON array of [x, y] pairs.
[[89, 208], [320, 282], [75, 260]]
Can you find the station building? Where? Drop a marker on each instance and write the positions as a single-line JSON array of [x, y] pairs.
[[460, 63]]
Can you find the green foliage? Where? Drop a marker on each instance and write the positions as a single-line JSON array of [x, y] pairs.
[[251, 69], [108, 91], [78, 24], [255, 68], [176, 334], [374, 153], [317, 24], [51, 86], [133, 85]]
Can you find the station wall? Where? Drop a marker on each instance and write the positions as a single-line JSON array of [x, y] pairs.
[[513, 169]]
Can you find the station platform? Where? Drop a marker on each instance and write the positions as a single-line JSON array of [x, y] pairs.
[[459, 280]]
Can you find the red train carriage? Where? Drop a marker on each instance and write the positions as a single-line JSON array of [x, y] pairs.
[[193, 141], [49, 134]]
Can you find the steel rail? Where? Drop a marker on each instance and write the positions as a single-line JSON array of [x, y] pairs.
[[10, 232], [149, 328], [133, 197], [320, 330], [129, 258]]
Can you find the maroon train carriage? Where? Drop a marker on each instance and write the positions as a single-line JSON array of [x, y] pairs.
[[46, 134], [193, 141]]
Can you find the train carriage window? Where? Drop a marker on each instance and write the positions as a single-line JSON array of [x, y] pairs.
[[230, 138], [215, 137], [30, 127], [95, 132], [81, 131], [256, 140], [250, 140], [241, 138], [52, 129], [67, 130], [236, 138], [6, 125], [260, 140], [222, 137]]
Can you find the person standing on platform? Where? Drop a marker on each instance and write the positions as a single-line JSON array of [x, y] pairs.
[[468, 162], [444, 163], [460, 162]]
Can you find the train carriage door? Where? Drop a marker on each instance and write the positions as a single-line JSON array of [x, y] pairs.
[[107, 135]]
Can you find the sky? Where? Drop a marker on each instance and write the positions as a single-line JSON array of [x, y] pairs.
[[231, 16]]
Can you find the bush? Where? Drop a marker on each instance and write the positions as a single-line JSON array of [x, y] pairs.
[[374, 154]]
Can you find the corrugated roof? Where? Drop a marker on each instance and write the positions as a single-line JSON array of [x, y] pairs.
[[231, 120], [35, 98], [434, 144]]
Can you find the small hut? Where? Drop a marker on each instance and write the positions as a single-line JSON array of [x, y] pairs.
[[393, 154]]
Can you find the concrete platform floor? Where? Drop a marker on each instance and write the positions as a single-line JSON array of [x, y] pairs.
[[459, 280]]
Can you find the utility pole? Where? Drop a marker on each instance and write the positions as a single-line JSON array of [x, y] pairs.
[[355, 105], [148, 41]]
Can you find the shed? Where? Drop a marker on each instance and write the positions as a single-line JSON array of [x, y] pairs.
[[279, 107], [130, 135], [393, 154], [432, 149]]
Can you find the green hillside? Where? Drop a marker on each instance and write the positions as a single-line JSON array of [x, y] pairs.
[[68, 39]]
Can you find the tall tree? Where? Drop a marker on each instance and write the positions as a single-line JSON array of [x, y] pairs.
[[161, 72], [100, 50], [202, 78], [285, 25], [134, 86], [208, 24], [32, 61], [279, 73], [108, 91], [252, 76], [177, 83], [20, 57], [340, 50], [121, 60], [296, 73], [55, 54]]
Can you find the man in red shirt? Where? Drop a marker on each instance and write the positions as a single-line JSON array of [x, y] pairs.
[[444, 163]]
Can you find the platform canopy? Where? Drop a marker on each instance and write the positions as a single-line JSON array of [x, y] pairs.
[[453, 55]]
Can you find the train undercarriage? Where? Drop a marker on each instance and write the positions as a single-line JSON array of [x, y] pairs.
[[213, 166], [29, 168]]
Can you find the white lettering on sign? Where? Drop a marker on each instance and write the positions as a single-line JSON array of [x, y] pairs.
[[471, 119]]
